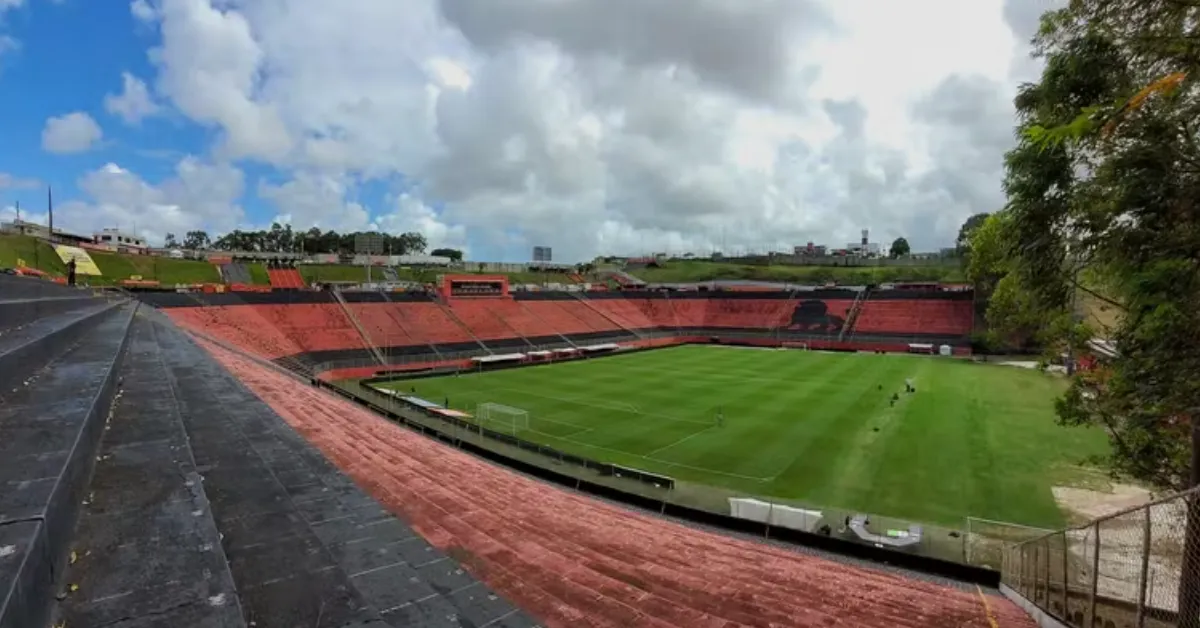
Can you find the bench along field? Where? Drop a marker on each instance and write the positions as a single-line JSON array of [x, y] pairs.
[[825, 429]]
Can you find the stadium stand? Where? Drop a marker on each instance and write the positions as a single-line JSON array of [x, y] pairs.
[[314, 327], [287, 278], [915, 317], [235, 273], [569, 560]]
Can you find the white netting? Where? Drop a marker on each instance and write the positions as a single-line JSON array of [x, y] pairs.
[[503, 418]]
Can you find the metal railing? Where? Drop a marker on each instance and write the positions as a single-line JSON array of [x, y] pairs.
[[1139, 567]]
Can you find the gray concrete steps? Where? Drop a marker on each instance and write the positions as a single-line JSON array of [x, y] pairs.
[[27, 348], [305, 545], [147, 548], [14, 287], [50, 425], [17, 313]]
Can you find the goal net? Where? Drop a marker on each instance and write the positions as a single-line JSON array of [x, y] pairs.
[[501, 418]]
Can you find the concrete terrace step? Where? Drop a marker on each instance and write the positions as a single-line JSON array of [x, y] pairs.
[[16, 313], [27, 348], [302, 540], [14, 287], [146, 544], [49, 430]]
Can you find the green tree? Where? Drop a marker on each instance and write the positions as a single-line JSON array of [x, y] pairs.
[[170, 242], [900, 248], [196, 240], [964, 232], [1104, 183], [453, 254]]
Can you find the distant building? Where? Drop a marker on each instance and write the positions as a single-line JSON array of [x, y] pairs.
[[121, 240], [42, 232], [542, 254]]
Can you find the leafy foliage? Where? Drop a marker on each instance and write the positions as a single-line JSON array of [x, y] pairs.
[[962, 244], [900, 248], [283, 238], [453, 254], [1102, 190]]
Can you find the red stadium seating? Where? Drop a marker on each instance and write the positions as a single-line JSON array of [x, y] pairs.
[[623, 312], [567, 317], [915, 316], [285, 278], [479, 317], [286, 329], [240, 325]]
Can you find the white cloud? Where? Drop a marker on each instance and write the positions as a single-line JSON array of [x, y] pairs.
[[133, 103], [613, 125], [71, 133], [412, 214], [313, 199], [142, 10], [200, 195], [12, 182], [10, 4]]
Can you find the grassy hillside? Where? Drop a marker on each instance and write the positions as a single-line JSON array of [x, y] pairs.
[[115, 267], [689, 271], [161, 269], [258, 274], [34, 252]]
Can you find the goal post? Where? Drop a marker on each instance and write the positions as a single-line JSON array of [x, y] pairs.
[[501, 418]]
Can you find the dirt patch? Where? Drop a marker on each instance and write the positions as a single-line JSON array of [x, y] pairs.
[[1090, 504]]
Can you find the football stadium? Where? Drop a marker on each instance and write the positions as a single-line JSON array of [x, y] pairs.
[[596, 314], [478, 453]]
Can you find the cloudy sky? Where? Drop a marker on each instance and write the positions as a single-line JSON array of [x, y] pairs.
[[592, 126]]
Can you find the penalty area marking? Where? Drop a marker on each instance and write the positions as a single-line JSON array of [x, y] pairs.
[[680, 441], [602, 406]]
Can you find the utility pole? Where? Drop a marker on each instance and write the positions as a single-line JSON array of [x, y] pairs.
[[50, 209]]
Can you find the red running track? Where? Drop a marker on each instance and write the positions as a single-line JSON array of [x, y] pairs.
[[572, 561]]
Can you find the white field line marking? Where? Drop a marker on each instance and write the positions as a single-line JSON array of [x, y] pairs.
[[680, 441], [602, 406], [658, 460]]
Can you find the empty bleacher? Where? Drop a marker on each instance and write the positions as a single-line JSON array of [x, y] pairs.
[[298, 323], [235, 272], [286, 278], [915, 317]]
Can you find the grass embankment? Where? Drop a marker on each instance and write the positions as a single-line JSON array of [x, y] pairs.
[[693, 271]]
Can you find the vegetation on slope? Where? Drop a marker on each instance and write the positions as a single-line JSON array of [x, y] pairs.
[[679, 271], [32, 252]]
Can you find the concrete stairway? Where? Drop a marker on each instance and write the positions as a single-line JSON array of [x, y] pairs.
[[207, 509], [59, 360]]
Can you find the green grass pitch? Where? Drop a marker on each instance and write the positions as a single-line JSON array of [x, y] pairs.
[[974, 440]]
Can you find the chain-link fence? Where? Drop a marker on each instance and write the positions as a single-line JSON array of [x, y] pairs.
[[1137, 568]]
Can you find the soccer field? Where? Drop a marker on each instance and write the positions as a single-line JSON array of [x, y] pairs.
[[973, 440]]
